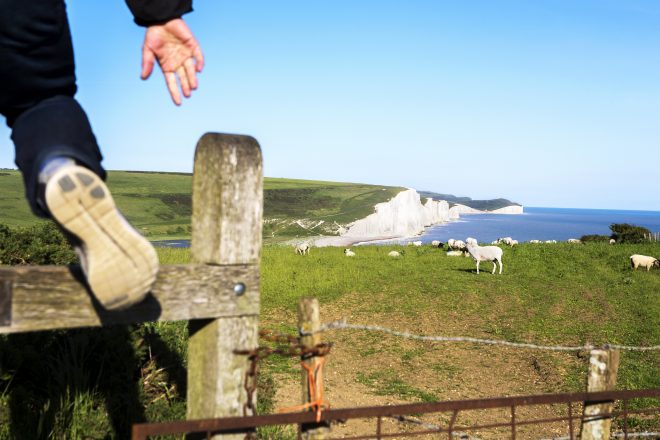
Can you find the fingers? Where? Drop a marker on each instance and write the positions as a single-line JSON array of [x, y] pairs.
[[148, 60], [199, 58], [183, 80], [191, 72], [172, 86]]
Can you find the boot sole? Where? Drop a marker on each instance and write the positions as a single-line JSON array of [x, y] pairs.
[[121, 264]]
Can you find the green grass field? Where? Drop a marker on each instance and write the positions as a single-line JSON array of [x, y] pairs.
[[160, 204], [94, 383]]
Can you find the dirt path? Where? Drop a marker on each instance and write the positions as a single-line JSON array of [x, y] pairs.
[[372, 369]]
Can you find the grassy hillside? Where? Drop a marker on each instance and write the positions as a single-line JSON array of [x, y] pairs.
[[556, 294], [484, 205], [159, 204]]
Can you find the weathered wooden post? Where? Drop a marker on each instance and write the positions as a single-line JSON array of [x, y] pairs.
[[309, 323], [603, 368], [226, 230]]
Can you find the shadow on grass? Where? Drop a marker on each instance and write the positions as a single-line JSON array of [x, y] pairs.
[[84, 383]]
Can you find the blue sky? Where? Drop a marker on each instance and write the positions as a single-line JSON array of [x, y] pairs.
[[545, 102]]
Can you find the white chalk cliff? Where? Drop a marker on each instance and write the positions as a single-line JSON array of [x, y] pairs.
[[405, 216]]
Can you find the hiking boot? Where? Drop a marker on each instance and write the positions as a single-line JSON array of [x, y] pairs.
[[119, 263]]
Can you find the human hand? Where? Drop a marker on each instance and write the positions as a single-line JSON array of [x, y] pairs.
[[178, 54]]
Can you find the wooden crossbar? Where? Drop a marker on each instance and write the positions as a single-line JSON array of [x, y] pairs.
[[52, 297]]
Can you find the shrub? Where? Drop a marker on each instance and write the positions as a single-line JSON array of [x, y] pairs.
[[626, 233], [595, 238], [39, 244]]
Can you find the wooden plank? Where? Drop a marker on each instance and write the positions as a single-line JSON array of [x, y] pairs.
[[226, 227], [54, 297]]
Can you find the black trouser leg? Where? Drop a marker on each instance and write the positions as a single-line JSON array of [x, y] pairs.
[[37, 85]]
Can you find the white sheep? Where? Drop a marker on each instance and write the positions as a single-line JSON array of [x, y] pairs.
[[302, 248], [574, 240], [535, 241], [551, 241], [513, 243], [435, 243], [450, 243], [644, 261], [394, 254], [486, 253], [454, 253], [349, 253], [471, 240], [612, 241], [457, 245], [417, 243]]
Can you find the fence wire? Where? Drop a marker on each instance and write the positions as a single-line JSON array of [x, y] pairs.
[[344, 325]]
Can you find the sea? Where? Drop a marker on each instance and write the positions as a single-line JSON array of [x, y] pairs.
[[535, 223]]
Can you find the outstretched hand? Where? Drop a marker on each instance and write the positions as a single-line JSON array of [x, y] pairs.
[[178, 54]]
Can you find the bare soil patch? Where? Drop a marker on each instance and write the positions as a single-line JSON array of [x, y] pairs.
[[374, 369]]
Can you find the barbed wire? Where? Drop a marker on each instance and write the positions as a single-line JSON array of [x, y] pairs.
[[344, 325]]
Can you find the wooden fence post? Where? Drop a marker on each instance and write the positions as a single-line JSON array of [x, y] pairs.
[[603, 368], [226, 230], [309, 323]]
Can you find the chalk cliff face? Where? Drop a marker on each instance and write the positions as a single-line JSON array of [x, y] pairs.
[[404, 215]]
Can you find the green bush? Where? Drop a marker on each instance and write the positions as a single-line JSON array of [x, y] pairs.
[[39, 244], [626, 233], [595, 238]]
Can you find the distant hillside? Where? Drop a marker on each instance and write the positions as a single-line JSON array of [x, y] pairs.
[[483, 205], [159, 204]]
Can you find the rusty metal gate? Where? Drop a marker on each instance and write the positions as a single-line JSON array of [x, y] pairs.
[[571, 419]]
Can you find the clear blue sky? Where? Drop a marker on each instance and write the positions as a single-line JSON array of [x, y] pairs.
[[545, 102]]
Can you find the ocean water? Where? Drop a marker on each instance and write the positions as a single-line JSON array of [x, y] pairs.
[[535, 224], [540, 224]]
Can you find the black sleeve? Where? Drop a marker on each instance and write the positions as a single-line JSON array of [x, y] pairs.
[[149, 12]]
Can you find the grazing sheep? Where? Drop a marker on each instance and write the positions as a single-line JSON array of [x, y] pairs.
[[612, 241], [495, 242], [574, 240], [454, 253], [506, 240], [436, 243], [644, 261], [417, 243], [535, 241], [486, 253], [349, 253], [551, 241], [471, 240], [302, 248], [450, 243], [457, 245], [394, 254]]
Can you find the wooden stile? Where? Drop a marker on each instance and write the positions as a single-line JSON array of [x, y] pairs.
[[226, 227], [218, 293]]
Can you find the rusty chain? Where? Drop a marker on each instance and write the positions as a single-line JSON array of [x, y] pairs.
[[289, 346]]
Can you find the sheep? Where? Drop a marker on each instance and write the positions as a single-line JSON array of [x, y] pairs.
[[551, 241], [302, 248], [644, 261], [486, 253], [436, 243], [417, 243], [457, 245], [535, 241], [471, 240], [495, 242], [454, 253], [612, 241], [349, 253], [394, 254], [574, 240], [513, 243]]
